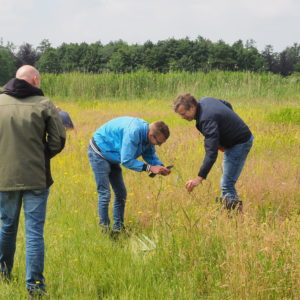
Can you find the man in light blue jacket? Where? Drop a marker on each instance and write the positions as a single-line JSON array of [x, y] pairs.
[[122, 141]]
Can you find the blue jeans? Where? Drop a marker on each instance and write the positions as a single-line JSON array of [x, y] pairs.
[[234, 160], [107, 174], [34, 202]]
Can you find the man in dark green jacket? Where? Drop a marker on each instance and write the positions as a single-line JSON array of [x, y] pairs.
[[31, 133]]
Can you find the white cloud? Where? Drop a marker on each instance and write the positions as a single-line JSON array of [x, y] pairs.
[[273, 8], [273, 22]]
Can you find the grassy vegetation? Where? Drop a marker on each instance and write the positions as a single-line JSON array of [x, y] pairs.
[[286, 115], [147, 85], [202, 252]]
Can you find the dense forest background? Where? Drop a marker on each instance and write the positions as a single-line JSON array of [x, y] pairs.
[[164, 56]]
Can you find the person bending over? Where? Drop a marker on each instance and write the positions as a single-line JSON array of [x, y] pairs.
[[223, 130], [122, 141]]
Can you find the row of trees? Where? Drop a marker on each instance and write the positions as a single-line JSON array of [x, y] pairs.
[[164, 56]]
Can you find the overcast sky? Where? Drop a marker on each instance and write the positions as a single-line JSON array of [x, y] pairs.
[[267, 22]]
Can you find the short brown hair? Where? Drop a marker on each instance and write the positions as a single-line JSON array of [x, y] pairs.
[[187, 100], [160, 127]]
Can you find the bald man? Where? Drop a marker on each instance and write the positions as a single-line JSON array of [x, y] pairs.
[[31, 134]]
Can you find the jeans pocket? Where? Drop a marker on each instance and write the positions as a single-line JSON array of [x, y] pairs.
[[38, 192]]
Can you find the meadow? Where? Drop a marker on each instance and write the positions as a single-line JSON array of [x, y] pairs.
[[201, 252]]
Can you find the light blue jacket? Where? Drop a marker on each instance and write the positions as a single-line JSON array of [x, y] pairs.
[[123, 140]]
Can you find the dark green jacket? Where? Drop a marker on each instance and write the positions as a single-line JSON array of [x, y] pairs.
[[31, 132]]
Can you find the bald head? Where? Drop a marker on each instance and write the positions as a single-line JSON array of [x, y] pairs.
[[29, 74]]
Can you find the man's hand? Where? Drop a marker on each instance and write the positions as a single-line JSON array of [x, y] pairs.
[[160, 170], [191, 184]]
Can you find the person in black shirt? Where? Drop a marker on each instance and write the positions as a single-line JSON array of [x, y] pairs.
[[223, 130]]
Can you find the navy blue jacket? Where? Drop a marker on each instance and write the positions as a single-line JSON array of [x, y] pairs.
[[221, 127], [66, 119]]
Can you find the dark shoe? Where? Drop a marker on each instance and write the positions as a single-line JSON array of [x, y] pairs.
[[231, 202], [105, 229], [36, 291], [36, 294], [117, 233]]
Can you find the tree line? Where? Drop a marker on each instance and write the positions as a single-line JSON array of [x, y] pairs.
[[164, 56]]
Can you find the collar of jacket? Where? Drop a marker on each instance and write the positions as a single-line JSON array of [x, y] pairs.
[[198, 111], [20, 88], [145, 138]]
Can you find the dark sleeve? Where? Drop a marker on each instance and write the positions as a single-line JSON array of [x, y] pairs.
[[227, 104], [71, 123], [56, 134], [210, 131]]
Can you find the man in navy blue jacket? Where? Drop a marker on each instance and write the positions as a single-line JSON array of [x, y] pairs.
[[65, 118], [223, 130], [122, 141]]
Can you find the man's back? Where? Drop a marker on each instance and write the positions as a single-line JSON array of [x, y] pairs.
[[31, 133], [121, 137], [114, 133], [124, 139], [218, 113]]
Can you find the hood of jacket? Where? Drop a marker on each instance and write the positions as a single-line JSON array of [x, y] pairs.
[[20, 88]]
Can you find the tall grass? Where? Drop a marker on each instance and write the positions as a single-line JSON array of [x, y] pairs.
[[147, 85]]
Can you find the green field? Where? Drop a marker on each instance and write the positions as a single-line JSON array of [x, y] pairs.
[[201, 251]]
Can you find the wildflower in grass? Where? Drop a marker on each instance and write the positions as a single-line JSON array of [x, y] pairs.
[[75, 211], [130, 221], [61, 235], [140, 212], [66, 173], [75, 259]]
